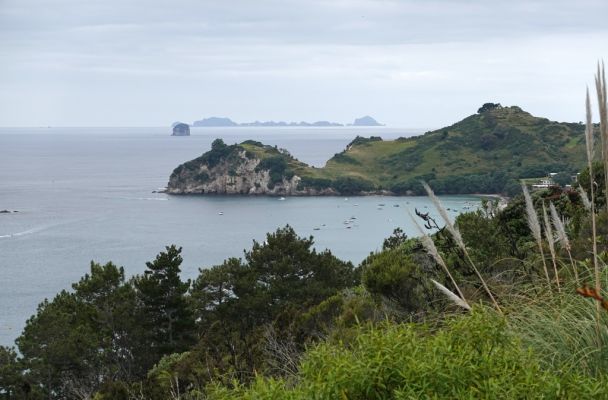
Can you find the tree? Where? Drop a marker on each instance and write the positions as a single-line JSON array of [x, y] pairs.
[[112, 301], [488, 107], [395, 275], [237, 301], [395, 240], [60, 348], [80, 340], [12, 381], [163, 305]]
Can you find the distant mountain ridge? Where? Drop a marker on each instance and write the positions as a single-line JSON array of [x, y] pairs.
[[227, 122], [487, 152]]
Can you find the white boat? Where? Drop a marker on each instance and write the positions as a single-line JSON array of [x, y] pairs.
[[282, 199], [220, 213]]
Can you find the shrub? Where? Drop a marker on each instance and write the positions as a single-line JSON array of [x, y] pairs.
[[471, 357]]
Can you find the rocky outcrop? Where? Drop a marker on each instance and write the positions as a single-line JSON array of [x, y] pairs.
[[234, 170], [181, 129]]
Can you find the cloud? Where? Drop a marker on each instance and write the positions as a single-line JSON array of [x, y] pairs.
[[342, 58]]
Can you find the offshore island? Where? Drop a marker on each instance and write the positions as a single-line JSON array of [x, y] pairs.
[[223, 122], [486, 153]]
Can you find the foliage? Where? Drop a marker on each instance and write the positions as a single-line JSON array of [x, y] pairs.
[[79, 339], [561, 328], [394, 274], [277, 167], [471, 357], [352, 185], [395, 240], [163, 307], [12, 381], [598, 178], [489, 247], [360, 140], [219, 150], [249, 312], [488, 106]]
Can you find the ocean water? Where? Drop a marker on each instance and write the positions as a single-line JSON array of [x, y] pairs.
[[87, 194]]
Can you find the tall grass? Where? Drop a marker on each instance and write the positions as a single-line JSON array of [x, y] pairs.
[[563, 327], [590, 153], [534, 226], [458, 238], [430, 247], [551, 243], [602, 99], [563, 239]]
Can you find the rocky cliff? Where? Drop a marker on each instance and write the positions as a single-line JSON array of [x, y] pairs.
[[248, 169]]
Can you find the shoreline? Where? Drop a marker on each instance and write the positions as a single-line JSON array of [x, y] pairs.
[[499, 197]]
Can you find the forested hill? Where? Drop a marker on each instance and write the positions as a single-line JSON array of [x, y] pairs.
[[486, 152]]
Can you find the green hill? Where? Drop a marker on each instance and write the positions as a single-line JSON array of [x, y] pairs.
[[484, 153]]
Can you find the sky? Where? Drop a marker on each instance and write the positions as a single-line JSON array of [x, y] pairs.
[[416, 64]]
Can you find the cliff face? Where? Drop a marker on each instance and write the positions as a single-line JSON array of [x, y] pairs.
[[234, 170]]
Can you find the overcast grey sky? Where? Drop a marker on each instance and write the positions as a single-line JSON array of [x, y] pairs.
[[407, 63]]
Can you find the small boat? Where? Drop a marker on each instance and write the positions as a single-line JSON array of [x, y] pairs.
[[316, 229], [282, 199], [356, 205], [353, 217], [395, 205], [348, 227], [381, 204], [220, 213]]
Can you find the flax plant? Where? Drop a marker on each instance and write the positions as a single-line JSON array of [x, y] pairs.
[[458, 238]]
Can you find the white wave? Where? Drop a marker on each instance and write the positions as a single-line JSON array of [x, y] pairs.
[[28, 232]]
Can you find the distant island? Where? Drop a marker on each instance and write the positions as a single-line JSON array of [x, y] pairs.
[[487, 152], [366, 121], [214, 122], [181, 129]]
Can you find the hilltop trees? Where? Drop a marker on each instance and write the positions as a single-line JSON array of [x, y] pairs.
[[488, 107]]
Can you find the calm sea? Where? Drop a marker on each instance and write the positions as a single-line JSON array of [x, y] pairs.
[[87, 194]]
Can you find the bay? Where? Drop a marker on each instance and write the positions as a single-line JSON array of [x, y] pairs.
[[86, 194]]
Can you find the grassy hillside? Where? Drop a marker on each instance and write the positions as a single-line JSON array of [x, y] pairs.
[[487, 152]]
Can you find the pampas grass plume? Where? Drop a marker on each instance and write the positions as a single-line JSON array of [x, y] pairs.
[[455, 299]]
